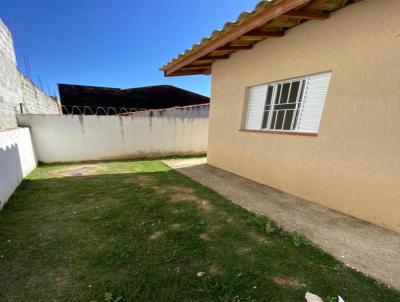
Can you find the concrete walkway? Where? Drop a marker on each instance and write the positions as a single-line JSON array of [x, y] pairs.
[[363, 246]]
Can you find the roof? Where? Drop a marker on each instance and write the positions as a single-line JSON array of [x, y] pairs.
[[150, 97], [270, 19]]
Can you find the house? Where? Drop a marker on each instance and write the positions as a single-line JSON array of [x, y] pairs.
[[75, 98], [306, 99]]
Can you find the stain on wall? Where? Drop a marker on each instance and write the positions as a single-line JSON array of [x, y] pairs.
[[69, 138]]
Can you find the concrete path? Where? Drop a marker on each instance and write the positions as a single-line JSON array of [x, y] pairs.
[[363, 246]]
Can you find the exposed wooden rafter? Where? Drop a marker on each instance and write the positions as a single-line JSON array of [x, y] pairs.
[[263, 34], [197, 64], [207, 58], [298, 14], [192, 67], [182, 72], [233, 47]]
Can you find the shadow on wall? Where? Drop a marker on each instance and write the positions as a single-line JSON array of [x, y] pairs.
[[10, 172]]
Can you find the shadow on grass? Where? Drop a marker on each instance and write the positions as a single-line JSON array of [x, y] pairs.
[[144, 236]]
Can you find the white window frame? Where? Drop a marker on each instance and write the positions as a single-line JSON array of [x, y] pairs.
[[312, 90], [296, 111]]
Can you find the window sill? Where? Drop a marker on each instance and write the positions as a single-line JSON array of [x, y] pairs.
[[280, 132]]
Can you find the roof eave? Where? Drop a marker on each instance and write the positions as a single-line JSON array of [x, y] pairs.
[[252, 23]]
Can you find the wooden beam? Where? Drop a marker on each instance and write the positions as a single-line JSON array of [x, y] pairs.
[[207, 58], [192, 68], [185, 73], [237, 47], [263, 34], [207, 64], [258, 20], [298, 14]]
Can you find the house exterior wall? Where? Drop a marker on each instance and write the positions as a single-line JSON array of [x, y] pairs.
[[353, 164]]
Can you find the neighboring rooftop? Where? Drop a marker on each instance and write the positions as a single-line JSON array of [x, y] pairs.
[[269, 19], [151, 97]]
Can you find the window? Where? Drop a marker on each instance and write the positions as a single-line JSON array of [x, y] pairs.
[[294, 105]]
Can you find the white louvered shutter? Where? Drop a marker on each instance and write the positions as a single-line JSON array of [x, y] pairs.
[[255, 107], [313, 102]]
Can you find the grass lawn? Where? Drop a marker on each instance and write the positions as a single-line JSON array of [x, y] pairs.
[[142, 232]]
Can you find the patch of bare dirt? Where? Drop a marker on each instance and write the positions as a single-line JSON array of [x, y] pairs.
[[286, 281], [175, 226], [243, 250], [204, 205], [185, 190], [155, 235], [259, 238], [188, 197], [214, 270], [177, 193], [204, 237], [145, 180], [179, 197], [60, 281], [80, 170], [213, 226]]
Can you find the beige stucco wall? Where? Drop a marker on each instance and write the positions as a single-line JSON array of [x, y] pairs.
[[353, 165]]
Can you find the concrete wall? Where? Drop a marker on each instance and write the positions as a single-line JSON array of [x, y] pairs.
[[353, 165], [200, 111], [68, 138], [16, 89], [17, 160]]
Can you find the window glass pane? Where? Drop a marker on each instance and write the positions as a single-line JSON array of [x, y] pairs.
[[285, 93], [273, 120], [267, 106], [279, 119], [278, 94], [294, 92], [265, 120], [269, 95], [296, 118], [288, 120]]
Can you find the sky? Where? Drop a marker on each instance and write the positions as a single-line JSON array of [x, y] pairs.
[[113, 43]]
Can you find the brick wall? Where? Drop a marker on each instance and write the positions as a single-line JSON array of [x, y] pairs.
[[16, 91]]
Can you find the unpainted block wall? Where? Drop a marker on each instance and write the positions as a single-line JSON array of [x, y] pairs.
[[16, 91]]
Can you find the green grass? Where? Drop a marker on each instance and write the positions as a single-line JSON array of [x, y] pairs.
[[139, 231]]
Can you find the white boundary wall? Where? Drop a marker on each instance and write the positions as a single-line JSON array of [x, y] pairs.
[[17, 160], [71, 138], [202, 110]]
